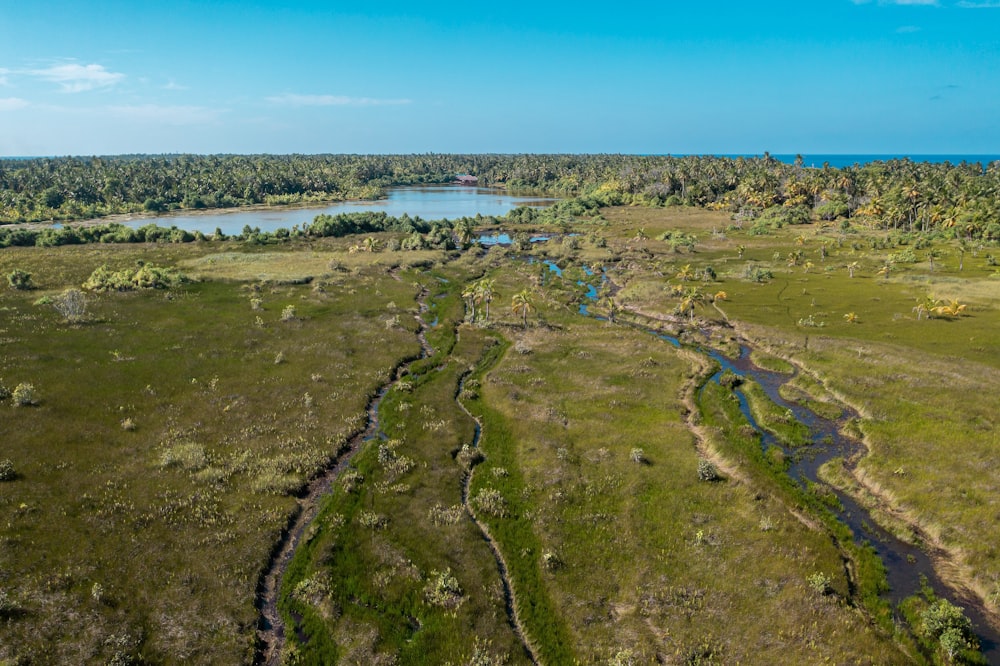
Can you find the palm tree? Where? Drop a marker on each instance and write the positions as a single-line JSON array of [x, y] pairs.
[[931, 255], [851, 267], [464, 230], [851, 318], [612, 309], [952, 309], [691, 298], [520, 304], [485, 293], [471, 296], [371, 244], [963, 247], [685, 273]]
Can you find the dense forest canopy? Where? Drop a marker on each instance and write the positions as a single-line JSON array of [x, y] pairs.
[[962, 200]]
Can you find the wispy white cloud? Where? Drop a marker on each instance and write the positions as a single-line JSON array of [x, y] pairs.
[[74, 78], [926, 3], [3, 76], [173, 85], [167, 115], [12, 103], [986, 4], [291, 99]]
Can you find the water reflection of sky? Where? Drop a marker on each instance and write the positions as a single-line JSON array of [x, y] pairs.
[[428, 203]]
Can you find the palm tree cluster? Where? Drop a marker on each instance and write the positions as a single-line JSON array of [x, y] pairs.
[[480, 292], [961, 199]]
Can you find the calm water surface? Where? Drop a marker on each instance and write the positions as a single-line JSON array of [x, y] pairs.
[[429, 203]]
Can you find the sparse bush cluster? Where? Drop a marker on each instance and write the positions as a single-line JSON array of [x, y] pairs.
[[755, 273], [8, 605], [20, 280], [7, 471], [313, 590], [707, 471], [947, 624], [72, 305], [372, 520], [730, 379], [442, 515], [24, 395], [394, 464], [491, 502], [468, 456], [820, 583], [143, 276], [444, 590]]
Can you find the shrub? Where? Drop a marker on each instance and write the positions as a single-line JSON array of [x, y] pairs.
[[948, 625], [144, 276], [469, 457], [637, 455], [757, 274], [730, 379], [313, 590], [288, 314], [7, 471], [443, 590], [72, 305], [441, 515], [623, 658], [551, 560], [8, 606], [820, 583], [490, 501], [707, 471], [18, 279], [371, 520], [24, 395], [189, 456]]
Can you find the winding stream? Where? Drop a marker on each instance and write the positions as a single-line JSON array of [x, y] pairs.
[[270, 625], [906, 565], [510, 600]]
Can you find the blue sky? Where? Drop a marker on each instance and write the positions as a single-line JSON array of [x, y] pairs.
[[699, 76]]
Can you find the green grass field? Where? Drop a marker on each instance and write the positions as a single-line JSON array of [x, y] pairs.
[[170, 429]]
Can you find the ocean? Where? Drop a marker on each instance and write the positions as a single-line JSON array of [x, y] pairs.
[[845, 160]]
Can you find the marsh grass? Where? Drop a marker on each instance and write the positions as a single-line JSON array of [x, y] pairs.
[[424, 586], [776, 420], [562, 421], [178, 515], [609, 559]]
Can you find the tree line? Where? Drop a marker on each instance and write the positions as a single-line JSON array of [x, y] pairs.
[[962, 200]]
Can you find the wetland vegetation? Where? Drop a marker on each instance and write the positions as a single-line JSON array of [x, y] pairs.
[[550, 451]]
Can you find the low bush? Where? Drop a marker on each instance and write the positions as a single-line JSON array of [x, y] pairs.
[[7, 471], [19, 279], [24, 395]]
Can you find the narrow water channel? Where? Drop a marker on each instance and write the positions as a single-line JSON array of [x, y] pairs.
[[270, 625], [906, 565]]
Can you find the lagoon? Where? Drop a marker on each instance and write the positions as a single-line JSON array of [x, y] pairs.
[[427, 202]]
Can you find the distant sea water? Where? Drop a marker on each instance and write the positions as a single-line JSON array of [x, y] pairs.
[[846, 160]]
